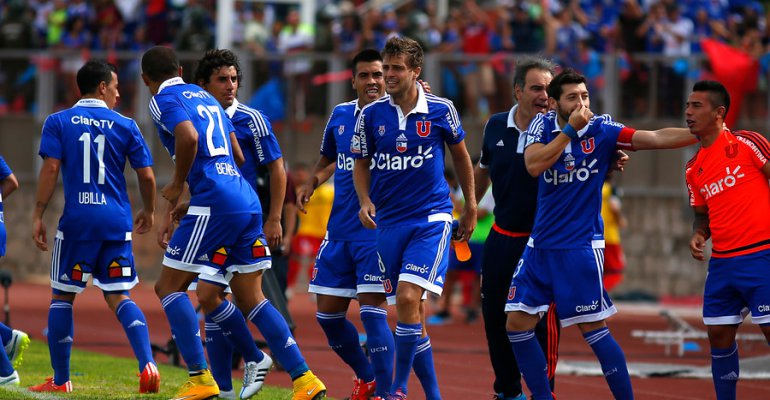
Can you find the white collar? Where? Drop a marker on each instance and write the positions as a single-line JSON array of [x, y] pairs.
[[171, 82], [422, 102], [233, 107], [512, 120], [91, 103]]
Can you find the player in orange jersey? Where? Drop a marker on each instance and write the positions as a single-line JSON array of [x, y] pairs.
[[727, 180]]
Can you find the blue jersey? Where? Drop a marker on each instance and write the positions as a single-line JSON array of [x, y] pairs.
[[93, 143], [256, 138], [569, 195], [407, 151], [340, 132], [215, 181], [5, 171]]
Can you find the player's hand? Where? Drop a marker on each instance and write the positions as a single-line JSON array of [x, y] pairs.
[[273, 232], [621, 159], [425, 85], [303, 196], [172, 191], [580, 116], [144, 221], [179, 211], [467, 224], [697, 244], [366, 214], [165, 230], [38, 234]]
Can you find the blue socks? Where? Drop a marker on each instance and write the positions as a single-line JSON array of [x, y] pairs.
[[135, 326], [407, 336], [184, 329], [725, 371], [276, 332], [613, 362], [230, 319], [5, 333], [220, 352], [60, 336], [424, 369], [379, 340], [532, 364], [343, 339], [6, 368]]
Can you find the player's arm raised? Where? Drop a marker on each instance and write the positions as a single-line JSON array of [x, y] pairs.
[[700, 232], [185, 149], [46, 184], [273, 230], [145, 218], [665, 138], [362, 179], [464, 168], [538, 157], [323, 170]]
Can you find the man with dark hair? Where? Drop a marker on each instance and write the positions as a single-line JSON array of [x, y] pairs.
[[571, 151], [515, 194], [729, 192], [347, 266], [90, 144], [402, 138], [221, 230]]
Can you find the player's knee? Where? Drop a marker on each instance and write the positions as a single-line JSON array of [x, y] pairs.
[[518, 321]]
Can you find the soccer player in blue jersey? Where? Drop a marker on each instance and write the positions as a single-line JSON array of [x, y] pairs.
[[571, 151], [346, 266], [219, 72], [14, 341], [401, 137], [515, 194], [89, 143], [221, 231]]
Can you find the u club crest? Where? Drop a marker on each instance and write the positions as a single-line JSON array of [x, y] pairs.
[[423, 128]]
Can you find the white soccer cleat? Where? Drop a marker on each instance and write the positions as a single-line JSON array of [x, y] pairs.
[[254, 374], [16, 346], [10, 380], [227, 394]]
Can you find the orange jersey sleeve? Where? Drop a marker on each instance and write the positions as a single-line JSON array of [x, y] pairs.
[[727, 178]]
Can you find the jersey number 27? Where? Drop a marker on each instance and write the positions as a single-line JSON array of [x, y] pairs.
[[209, 112]]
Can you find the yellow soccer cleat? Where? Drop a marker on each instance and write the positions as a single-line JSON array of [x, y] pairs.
[[199, 387], [309, 387]]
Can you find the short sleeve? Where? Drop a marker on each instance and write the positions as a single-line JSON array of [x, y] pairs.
[[167, 113], [484, 158], [536, 131], [138, 152], [5, 170], [362, 143], [454, 133], [329, 142], [50, 140]]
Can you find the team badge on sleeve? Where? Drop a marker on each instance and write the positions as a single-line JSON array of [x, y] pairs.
[[258, 249], [220, 256], [118, 268]]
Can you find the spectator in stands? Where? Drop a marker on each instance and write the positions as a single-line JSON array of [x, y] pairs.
[[296, 37]]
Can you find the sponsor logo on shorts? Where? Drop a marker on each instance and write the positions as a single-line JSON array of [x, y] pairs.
[[119, 268], [416, 268], [388, 287], [763, 308], [173, 251], [258, 249], [79, 273], [219, 257], [372, 278], [587, 307], [511, 292]]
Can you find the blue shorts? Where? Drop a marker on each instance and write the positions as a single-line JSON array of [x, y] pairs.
[[110, 262], [571, 278], [473, 264], [208, 244], [735, 283], [346, 268], [416, 253]]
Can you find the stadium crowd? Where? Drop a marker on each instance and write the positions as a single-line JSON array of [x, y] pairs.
[[483, 28]]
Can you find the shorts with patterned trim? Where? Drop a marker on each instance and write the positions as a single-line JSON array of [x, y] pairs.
[[209, 244], [416, 253], [734, 284], [571, 278], [109, 262], [346, 268]]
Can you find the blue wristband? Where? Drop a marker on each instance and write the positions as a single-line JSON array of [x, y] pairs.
[[569, 131]]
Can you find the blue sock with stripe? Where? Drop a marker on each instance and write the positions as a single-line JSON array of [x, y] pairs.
[[184, 329], [343, 339], [135, 325], [407, 336], [278, 336], [61, 331], [6, 368], [220, 352], [6, 333], [725, 370], [381, 345], [230, 319], [425, 370], [613, 362], [532, 364]]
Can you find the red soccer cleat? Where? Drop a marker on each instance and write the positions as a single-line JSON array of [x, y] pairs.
[[50, 386], [149, 379], [362, 390]]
